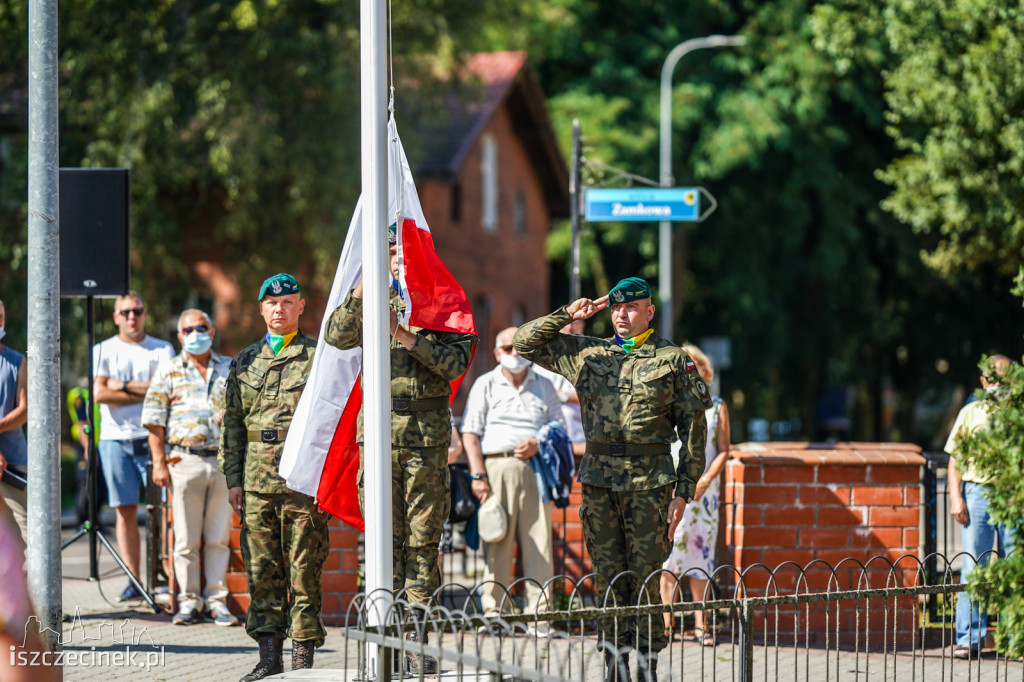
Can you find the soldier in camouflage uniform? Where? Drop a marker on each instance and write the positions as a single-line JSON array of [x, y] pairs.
[[637, 391], [423, 365], [285, 539]]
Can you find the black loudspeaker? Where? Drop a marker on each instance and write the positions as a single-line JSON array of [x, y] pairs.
[[93, 231]]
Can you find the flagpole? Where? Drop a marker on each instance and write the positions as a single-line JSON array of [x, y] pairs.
[[376, 328]]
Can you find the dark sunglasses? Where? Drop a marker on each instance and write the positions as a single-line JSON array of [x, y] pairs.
[[131, 311], [201, 328], [507, 349]]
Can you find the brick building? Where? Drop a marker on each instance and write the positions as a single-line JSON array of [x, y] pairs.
[[491, 181]]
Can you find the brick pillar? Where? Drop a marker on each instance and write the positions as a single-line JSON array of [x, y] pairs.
[[854, 507]]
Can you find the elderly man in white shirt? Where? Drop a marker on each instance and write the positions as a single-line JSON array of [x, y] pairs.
[[505, 409]]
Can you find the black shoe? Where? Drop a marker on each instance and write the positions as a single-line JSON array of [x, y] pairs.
[[648, 664], [131, 593], [416, 663], [302, 654], [616, 666], [270, 659], [966, 652]]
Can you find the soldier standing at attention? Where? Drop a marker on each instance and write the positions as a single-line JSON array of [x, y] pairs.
[[637, 391], [423, 365], [284, 534]]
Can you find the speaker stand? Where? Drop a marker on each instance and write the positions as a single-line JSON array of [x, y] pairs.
[[91, 527]]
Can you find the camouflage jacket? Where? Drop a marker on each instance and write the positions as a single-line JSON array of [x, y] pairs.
[[262, 393], [645, 396], [426, 371]]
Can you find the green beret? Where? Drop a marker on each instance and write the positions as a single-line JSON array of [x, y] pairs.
[[392, 235], [629, 289], [280, 284]]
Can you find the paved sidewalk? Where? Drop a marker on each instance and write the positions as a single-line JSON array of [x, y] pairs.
[[110, 641]]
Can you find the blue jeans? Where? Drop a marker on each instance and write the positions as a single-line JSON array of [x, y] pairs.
[[976, 539], [124, 468]]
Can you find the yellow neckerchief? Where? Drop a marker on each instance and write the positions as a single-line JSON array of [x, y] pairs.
[[636, 341], [278, 343]]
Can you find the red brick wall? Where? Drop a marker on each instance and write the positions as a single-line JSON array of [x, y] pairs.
[[854, 507]]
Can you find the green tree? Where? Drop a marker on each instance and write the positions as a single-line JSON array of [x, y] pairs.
[[955, 93], [239, 122]]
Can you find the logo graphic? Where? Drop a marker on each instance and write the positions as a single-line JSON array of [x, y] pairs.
[[618, 297], [85, 651], [275, 286]]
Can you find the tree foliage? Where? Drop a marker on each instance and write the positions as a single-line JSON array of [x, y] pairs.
[[816, 284], [955, 94]]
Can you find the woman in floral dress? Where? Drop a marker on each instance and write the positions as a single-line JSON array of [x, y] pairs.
[[696, 537]]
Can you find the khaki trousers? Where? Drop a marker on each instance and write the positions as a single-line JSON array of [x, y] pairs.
[[529, 523], [17, 502], [202, 515]]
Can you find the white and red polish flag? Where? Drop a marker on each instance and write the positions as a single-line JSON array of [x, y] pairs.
[[321, 457]]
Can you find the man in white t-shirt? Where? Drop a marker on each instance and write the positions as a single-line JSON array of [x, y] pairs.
[[505, 409], [123, 366]]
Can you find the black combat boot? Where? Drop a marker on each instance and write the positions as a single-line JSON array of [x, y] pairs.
[[647, 662], [616, 666], [302, 654], [270, 659], [415, 662]]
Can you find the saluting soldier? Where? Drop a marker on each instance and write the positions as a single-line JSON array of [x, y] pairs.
[[423, 365], [637, 391], [284, 534]]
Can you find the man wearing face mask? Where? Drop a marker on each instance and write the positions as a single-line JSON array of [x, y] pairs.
[[183, 410], [505, 409]]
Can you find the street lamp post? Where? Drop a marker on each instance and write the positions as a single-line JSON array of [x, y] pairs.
[[665, 227]]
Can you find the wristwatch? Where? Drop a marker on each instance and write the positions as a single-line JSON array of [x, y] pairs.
[[478, 477]]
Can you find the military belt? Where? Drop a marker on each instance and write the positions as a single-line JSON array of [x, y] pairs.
[[628, 449], [267, 435], [506, 453], [200, 452], [423, 405]]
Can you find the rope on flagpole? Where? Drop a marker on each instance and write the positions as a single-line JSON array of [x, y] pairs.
[[391, 112]]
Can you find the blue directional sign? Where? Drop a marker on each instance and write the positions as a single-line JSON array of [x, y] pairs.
[[673, 204]]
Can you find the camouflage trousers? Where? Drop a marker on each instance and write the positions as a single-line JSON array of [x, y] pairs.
[[627, 538], [285, 542], [420, 501]]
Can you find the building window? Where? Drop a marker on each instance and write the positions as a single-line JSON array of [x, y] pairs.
[[456, 203], [489, 172], [520, 215], [518, 316]]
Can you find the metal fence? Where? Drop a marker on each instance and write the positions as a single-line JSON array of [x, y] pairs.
[[849, 621]]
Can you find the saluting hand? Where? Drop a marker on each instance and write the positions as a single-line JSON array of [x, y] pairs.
[[585, 308]]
